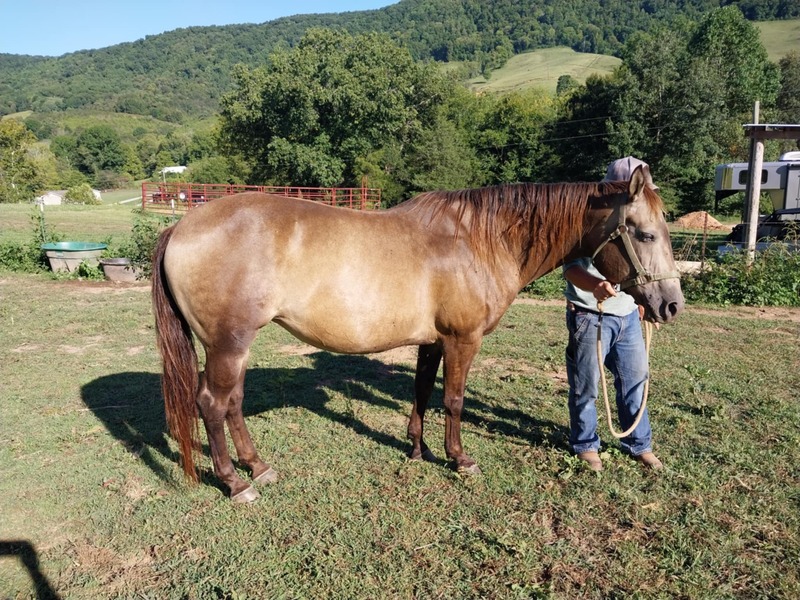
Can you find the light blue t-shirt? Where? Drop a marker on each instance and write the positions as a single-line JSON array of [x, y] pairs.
[[620, 305]]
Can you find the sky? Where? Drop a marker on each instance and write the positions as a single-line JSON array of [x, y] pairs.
[[56, 27]]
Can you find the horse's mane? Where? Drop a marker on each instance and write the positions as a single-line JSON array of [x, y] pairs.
[[521, 217]]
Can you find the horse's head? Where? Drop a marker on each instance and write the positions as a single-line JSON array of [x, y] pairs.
[[633, 249]]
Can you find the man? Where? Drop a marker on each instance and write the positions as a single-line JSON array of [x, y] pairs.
[[623, 352]]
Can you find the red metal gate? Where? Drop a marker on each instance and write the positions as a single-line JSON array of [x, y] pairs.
[[179, 197]]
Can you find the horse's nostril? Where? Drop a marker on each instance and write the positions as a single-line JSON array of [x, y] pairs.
[[673, 308]]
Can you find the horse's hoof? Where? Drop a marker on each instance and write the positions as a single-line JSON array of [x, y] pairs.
[[247, 495], [268, 476], [472, 469]]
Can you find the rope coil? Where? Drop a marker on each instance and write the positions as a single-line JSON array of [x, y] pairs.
[[648, 335]]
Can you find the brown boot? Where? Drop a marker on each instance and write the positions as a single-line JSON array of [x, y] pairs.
[[592, 460], [648, 460]]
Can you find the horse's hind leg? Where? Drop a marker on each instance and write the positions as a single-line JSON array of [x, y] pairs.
[[428, 360], [245, 449], [218, 385]]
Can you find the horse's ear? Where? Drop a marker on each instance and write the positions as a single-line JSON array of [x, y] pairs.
[[639, 179]]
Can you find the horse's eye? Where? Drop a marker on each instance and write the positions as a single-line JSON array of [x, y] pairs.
[[645, 237]]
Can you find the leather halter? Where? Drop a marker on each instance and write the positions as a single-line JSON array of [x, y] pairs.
[[643, 276]]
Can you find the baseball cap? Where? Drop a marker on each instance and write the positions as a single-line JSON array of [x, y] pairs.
[[622, 169]]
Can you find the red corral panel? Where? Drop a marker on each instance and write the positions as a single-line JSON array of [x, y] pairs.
[[180, 197]]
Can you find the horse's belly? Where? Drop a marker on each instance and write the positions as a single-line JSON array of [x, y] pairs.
[[358, 333]]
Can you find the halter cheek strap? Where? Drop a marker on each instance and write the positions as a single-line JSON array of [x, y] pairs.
[[643, 276]]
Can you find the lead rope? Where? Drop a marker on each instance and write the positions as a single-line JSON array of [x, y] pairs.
[[648, 336]]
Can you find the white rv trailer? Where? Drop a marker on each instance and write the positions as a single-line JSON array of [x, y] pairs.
[[780, 180]]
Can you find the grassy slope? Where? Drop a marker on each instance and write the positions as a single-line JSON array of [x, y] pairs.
[[89, 478], [542, 69], [780, 37]]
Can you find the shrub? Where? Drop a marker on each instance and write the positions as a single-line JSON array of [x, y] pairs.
[[773, 278], [142, 243], [29, 257], [550, 286], [81, 194]]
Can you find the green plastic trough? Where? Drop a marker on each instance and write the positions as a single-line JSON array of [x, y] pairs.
[[67, 256]]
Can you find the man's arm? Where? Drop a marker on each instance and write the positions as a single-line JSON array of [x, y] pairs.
[[602, 289]]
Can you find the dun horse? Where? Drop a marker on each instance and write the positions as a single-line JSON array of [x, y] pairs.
[[438, 271]]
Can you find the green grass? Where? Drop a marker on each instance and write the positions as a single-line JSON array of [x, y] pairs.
[[89, 478], [72, 222], [542, 69], [124, 195], [780, 37]]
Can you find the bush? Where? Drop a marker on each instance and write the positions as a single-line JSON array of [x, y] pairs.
[[81, 194], [142, 244], [773, 279], [29, 257], [551, 286], [22, 258]]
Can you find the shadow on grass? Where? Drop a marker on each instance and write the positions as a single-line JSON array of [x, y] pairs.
[[27, 555], [130, 405]]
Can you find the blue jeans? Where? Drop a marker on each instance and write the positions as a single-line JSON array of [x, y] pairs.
[[625, 356]]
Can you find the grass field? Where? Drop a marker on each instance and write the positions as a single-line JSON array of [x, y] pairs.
[[93, 504], [72, 222], [542, 69], [780, 37]]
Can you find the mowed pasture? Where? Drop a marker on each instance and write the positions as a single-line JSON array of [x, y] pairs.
[[542, 68], [93, 503], [779, 37]]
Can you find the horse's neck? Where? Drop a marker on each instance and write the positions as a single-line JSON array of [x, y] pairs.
[[547, 254]]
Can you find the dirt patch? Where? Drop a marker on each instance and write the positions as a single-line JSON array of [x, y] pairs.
[[297, 349], [700, 220]]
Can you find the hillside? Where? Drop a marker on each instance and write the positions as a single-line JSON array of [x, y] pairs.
[[183, 73], [780, 37], [542, 69]]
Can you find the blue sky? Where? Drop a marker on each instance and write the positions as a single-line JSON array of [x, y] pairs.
[[55, 27]]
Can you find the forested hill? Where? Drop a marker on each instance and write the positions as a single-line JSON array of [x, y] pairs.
[[184, 72]]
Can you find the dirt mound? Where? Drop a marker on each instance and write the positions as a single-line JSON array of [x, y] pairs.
[[699, 220]]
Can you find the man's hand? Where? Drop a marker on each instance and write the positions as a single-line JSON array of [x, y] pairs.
[[603, 291]]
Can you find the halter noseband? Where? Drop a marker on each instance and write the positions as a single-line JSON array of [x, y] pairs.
[[643, 276]]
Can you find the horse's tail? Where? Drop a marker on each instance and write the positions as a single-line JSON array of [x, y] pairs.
[[179, 382]]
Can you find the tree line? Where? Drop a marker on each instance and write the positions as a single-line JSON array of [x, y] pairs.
[[182, 74], [340, 109]]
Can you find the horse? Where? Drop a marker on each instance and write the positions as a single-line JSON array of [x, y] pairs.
[[437, 271]]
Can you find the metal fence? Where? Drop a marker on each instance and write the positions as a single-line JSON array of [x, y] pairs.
[[174, 197]]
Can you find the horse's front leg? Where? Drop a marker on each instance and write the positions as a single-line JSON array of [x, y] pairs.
[[458, 356], [428, 360]]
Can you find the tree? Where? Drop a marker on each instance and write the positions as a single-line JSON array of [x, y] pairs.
[[314, 111], [788, 101], [98, 148], [20, 178], [510, 136], [731, 51], [677, 101]]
